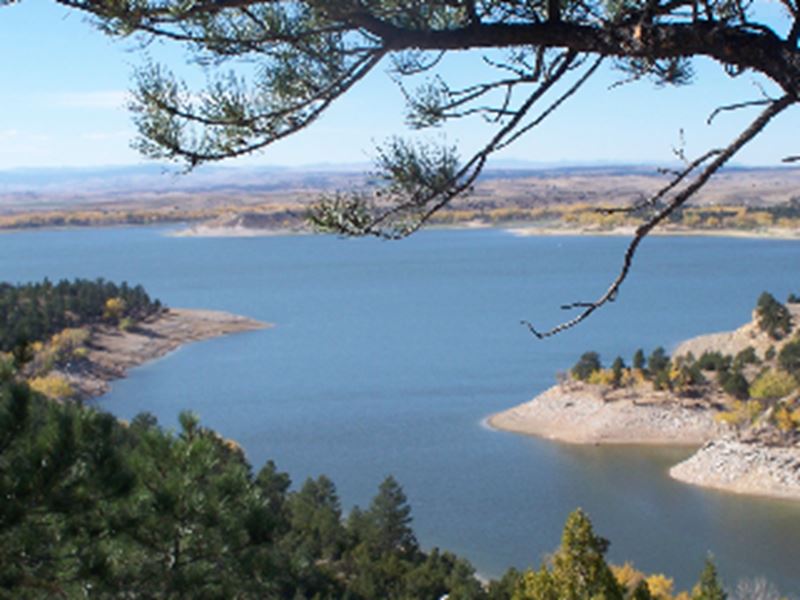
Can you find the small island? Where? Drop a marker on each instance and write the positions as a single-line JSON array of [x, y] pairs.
[[735, 395], [70, 339]]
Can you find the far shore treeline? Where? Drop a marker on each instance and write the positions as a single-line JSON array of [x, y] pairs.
[[291, 215], [96, 507]]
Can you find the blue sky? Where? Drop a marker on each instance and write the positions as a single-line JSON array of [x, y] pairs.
[[65, 84]]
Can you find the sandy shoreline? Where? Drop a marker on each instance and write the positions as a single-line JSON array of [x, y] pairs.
[[112, 353], [771, 233], [521, 229], [578, 414]]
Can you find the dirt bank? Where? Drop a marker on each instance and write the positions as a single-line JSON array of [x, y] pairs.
[[113, 352], [580, 413]]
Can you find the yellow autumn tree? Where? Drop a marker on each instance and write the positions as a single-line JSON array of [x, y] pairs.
[[55, 387], [114, 310]]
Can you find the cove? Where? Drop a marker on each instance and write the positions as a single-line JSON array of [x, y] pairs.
[[386, 358]]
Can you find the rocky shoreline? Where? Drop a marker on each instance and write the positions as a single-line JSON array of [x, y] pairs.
[[727, 459], [111, 352], [743, 468], [579, 413]]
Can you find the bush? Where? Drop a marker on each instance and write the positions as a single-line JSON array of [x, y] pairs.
[[55, 387], [773, 384], [789, 358], [713, 361], [657, 361], [638, 359], [588, 363], [734, 384], [747, 356], [773, 317], [741, 413], [618, 369], [602, 377]]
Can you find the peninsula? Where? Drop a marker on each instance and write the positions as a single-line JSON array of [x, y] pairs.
[[735, 395], [70, 339], [111, 353]]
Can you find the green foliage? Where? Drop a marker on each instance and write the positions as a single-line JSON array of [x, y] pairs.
[[504, 588], [618, 370], [35, 311], [772, 384], [686, 377], [709, 587], [588, 363], [713, 361], [639, 360], [734, 384], [789, 359], [747, 356], [657, 361], [578, 568], [773, 317], [94, 508]]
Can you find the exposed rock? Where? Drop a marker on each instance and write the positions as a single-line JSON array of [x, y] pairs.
[[733, 342], [580, 413], [744, 468]]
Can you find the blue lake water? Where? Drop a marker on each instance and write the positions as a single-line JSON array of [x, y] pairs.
[[386, 357]]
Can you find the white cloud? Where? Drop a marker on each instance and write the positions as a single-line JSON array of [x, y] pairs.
[[101, 99]]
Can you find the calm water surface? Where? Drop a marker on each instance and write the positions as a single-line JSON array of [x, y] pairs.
[[386, 357]]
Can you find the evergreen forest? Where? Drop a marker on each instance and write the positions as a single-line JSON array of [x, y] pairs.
[[33, 312]]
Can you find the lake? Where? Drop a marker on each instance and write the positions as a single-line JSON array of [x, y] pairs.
[[387, 356]]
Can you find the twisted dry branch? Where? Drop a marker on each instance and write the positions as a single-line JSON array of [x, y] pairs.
[[678, 200]]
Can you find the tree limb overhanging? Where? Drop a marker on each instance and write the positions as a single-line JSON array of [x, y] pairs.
[[303, 55]]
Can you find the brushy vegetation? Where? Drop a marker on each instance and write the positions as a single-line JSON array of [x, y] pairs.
[[762, 391]]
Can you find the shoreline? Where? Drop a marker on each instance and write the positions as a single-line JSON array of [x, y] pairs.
[[181, 229], [773, 233], [523, 229], [737, 467], [112, 353], [578, 414]]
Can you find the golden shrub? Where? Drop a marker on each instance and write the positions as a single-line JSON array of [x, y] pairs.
[[773, 384], [55, 387]]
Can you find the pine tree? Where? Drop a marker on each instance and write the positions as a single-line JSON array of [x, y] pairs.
[[709, 586], [579, 570]]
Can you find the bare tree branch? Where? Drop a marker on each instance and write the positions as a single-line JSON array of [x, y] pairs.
[[737, 106], [678, 200]]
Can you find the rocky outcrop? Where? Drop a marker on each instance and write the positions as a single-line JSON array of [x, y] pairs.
[[733, 342], [743, 468]]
